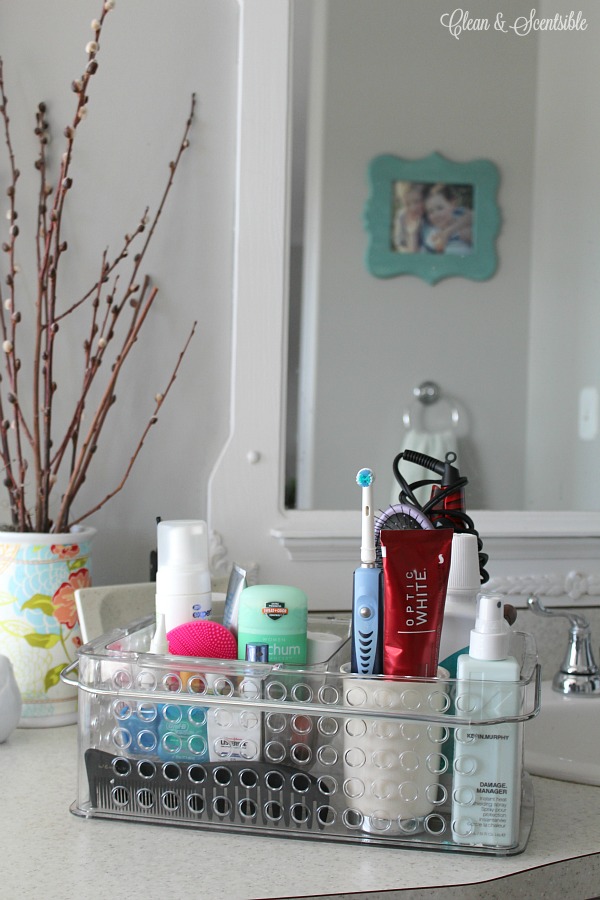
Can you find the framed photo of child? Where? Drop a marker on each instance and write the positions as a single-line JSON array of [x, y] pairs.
[[432, 218]]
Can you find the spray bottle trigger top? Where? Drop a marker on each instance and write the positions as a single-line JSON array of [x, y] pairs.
[[491, 636]]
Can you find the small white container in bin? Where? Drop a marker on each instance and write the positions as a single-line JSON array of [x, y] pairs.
[[314, 751], [392, 769]]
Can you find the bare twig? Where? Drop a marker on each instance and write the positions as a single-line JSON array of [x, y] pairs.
[[127, 303], [160, 399]]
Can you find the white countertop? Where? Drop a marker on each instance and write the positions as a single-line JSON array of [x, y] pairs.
[[48, 852]]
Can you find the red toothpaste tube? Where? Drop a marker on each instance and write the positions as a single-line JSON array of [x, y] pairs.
[[416, 565]]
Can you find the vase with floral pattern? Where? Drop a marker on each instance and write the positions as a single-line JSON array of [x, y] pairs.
[[39, 631]]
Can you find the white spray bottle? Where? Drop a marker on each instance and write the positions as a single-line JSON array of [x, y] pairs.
[[486, 788]]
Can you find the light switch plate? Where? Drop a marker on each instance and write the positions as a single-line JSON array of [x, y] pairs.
[[588, 413]]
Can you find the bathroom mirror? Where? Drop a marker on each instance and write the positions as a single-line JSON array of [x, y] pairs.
[[554, 552]]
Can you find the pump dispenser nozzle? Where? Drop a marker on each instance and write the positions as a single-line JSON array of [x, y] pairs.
[[490, 637]]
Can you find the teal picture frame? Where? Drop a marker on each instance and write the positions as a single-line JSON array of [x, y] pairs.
[[469, 252]]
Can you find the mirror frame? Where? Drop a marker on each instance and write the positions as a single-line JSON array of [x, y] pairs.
[[553, 553]]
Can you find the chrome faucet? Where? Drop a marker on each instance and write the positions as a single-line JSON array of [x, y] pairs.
[[578, 673]]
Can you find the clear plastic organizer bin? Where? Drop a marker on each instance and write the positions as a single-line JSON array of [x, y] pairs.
[[289, 752]]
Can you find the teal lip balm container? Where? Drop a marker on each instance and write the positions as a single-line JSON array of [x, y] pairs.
[[276, 615]]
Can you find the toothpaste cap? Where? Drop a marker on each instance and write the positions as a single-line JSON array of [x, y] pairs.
[[464, 574]]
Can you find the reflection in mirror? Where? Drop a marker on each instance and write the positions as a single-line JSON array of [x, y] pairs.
[[515, 353], [553, 554]]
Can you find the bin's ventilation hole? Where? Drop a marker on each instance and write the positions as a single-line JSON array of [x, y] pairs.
[[273, 811], [120, 795], [222, 776], [222, 806], [327, 784], [121, 738], [327, 756], [326, 815], [436, 794], [146, 741], [247, 808], [353, 788], [299, 813], [121, 766], [301, 724], [301, 754], [145, 680], [170, 801], [300, 783], [196, 745], [197, 715], [275, 751], [171, 771], [145, 798], [437, 763], [302, 693], [439, 701], [197, 774], [328, 695], [196, 685], [275, 722], [172, 682], [327, 726], [435, 824], [249, 690], [276, 691], [195, 803], [122, 680], [146, 768], [437, 735], [248, 778], [274, 781], [352, 818], [379, 822], [409, 826]]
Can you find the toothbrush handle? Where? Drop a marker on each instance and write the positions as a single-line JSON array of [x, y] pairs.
[[367, 546], [367, 622]]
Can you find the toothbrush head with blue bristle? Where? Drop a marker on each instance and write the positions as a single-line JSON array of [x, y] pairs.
[[365, 478], [368, 554]]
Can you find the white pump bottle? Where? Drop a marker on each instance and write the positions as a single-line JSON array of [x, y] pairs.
[[183, 586]]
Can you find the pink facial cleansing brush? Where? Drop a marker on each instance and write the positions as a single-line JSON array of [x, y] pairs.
[[202, 637]]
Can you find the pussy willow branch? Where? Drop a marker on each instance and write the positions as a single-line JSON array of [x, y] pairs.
[[15, 484], [160, 399], [47, 327], [81, 461], [90, 443], [93, 363], [124, 295]]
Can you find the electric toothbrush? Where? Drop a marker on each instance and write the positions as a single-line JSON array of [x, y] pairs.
[[367, 598]]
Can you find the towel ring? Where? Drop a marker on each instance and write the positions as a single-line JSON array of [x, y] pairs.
[[427, 392], [426, 395]]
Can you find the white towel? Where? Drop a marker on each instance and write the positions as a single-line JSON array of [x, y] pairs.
[[435, 444]]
